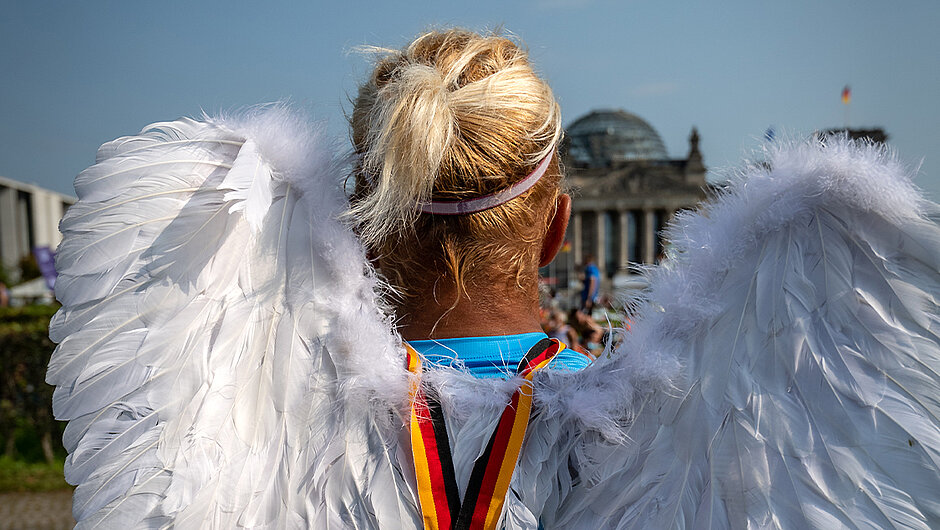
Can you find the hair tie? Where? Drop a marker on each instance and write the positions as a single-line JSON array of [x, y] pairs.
[[478, 204]]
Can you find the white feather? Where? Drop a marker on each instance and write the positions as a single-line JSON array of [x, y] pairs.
[[224, 359], [802, 304]]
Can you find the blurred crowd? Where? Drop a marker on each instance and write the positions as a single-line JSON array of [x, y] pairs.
[[576, 328], [587, 325]]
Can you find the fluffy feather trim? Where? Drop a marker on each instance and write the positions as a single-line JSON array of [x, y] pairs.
[[784, 187]]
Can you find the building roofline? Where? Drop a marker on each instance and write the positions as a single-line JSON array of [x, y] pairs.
[[27, 186]]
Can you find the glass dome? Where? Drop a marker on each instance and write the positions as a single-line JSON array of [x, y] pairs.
[[605, 137]]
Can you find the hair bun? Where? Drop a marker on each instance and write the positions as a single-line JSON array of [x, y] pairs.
[[454, 113]]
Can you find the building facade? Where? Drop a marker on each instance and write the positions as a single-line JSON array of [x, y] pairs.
[[625, 189], [874, 134], [29, 218]]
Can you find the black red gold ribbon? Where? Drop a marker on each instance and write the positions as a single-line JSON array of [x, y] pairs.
[[489, 481]]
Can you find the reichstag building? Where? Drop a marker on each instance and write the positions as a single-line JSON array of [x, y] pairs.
[[625, 188]]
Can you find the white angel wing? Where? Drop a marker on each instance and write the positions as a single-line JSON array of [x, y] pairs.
[[223, 361], [209, 300], [803, 304]]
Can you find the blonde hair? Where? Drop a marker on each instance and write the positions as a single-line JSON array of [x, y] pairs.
[[454, 115]]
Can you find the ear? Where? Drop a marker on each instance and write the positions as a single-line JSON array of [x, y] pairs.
[[555, 235]]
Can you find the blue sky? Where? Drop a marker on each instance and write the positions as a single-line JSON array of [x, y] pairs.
[[80, 73]]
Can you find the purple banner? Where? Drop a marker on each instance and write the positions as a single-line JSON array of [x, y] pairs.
[[45, 258]]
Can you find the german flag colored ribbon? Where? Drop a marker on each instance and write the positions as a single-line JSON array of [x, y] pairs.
[[438, 494]]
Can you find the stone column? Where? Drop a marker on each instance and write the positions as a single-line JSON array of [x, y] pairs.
[[624, 240], [9, 247], [42, 222], [23, 224], [600, 246], [649, 236], [576, 239]]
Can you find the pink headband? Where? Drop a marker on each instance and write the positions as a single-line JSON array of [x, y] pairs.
[[478, 204]]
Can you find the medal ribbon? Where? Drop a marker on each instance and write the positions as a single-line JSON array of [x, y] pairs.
[[482, 506]]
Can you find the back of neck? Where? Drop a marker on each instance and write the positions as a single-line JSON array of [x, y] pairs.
[[479, 313]]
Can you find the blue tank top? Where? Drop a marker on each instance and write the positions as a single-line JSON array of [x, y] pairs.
[[492, 357]]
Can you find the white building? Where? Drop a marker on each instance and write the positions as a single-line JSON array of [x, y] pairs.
[[625, 188], [29, 218]]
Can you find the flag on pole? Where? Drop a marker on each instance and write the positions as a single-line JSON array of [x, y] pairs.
[[770, 134], [846, 95]]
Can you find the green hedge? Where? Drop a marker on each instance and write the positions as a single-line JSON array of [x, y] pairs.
[[19, 476], [28, 431]]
